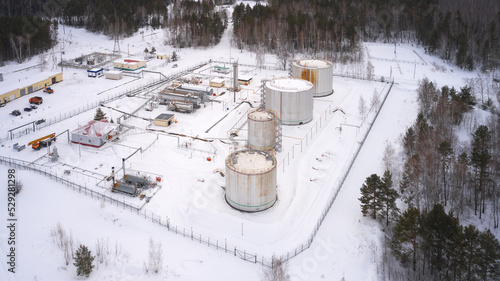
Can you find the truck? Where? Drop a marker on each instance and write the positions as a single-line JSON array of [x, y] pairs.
[[43, 143]]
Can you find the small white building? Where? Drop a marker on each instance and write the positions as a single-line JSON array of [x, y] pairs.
[[95, 72], [95, 133], [114, 74]]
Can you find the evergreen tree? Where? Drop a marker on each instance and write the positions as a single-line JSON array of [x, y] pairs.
[[370, 201], [83, 261], [146, 50], [388, 196], [405, 238], [438, 230], [489, 259], [174, 56], [471, 251], [480, 160], [153, 50], [99, 114]]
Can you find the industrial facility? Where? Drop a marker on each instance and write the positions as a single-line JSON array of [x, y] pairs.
[[184, 97], [291, 99], [318, 72], [251, 180], [17, 89]]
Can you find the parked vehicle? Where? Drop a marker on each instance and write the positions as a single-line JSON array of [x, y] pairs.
[[36, 100], [28, 109], [174, 66], [43, 143], [33, 106], [48, 90], [15, 112], [38, 122], [3, 104]]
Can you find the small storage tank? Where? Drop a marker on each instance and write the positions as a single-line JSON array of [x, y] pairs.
[[251, 180], [291, 99], [261, 129], [318, 72]]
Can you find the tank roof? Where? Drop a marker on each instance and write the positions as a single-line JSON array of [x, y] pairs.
[[260, 115], [315, 63], [289, 85], [251, 161]]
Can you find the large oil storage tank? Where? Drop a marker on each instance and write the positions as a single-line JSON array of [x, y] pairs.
[[251, 180], [261, 129], [318, 72], [291, 99]]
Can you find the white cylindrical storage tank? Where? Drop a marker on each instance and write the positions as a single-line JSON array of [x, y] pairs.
[[251, 180], [318, 72], [291, 99], [261, 129]]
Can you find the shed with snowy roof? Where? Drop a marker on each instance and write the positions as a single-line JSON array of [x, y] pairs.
[[95, 133]]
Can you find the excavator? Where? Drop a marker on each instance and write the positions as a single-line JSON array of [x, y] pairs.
[[42, 142]]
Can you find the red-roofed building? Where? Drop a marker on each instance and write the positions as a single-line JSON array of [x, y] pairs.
[[129, 64], [95, 133]]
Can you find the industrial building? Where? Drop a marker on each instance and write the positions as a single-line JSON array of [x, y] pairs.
[[11, 90], [95, 133], [164, 120], [129, 64], [217, 83], [251, 180], [95, 72], [245, 80], [318, 72], [291, 99], [114, 74]]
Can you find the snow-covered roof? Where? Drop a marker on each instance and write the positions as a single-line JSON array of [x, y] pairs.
[[95, 129], [12, 82], [96, 69], [244, 77], [217, 80], [260, 115], [252, 161], [315, 63], [114, 72], [130, 61], [164, 116], [289, 85]]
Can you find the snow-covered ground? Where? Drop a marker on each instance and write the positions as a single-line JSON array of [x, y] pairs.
[[314, 158]]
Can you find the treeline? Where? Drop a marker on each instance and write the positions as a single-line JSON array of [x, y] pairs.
[[103, 16], [465, 32], [115, 17], [442, 172], [23, 37], [193, 24], [434, 246], [440, 169]]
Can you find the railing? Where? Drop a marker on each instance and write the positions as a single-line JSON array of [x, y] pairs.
[[198, 237]]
